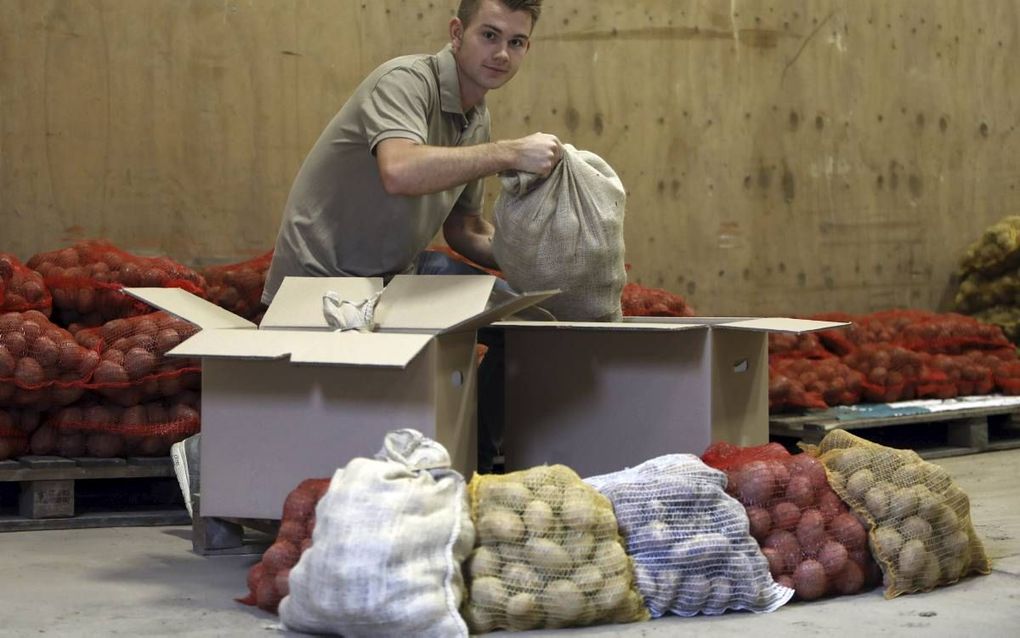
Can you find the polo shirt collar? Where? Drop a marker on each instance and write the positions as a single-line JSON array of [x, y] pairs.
[[449, 84]]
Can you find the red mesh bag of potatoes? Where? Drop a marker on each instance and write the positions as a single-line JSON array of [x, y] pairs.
[[918, 519], [13, 442], [41, 365], [813, 542], [639, 301], [831, 379], [1007, 378], [267, 579], [788, 394], [238, 287], [967, 374], [22, 288], [87, 280], [134, 367], [108, 430], [878, 327], [951, 334], [891, 373], [806, 345]]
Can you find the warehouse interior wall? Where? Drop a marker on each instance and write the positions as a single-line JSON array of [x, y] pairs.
[[780, 156]]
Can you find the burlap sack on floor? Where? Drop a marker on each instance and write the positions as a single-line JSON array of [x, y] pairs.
[[565, 232]]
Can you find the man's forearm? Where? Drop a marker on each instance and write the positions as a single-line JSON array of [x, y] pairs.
[[417, 169]]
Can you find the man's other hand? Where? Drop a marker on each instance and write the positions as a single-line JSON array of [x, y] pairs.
[[537, 153]]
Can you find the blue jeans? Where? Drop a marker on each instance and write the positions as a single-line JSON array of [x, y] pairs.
[[435, 263], [491, 372]]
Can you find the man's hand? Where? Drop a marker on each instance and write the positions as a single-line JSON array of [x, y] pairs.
[[537, 153]]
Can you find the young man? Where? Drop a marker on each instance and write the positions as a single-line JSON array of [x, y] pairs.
[[406, 156]]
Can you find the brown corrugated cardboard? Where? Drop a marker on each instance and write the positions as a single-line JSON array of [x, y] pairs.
[[293, 400], [599, 397]]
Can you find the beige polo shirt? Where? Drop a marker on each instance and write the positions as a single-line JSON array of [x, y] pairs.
[[338, 220]]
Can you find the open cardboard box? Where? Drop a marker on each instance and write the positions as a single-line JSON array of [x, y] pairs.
[[599, 397], [291, 399]]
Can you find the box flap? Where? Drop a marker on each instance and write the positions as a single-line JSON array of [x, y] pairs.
[[504, 309], [431, 303], [607, 326], [189, 307], [306, 346], [298, 302], [781, 324]]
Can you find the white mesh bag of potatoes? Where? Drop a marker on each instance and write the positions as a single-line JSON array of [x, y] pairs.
[[690, 541]]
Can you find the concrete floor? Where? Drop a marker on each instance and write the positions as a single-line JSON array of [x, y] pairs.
[[146, 582]]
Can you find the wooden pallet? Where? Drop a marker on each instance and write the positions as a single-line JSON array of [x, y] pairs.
[[47, 495], [951, 428]]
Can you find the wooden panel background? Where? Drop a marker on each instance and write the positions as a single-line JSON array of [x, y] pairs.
[[780, 156]]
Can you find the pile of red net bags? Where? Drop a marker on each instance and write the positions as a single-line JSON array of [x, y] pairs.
[[889, 356], [84, 369]]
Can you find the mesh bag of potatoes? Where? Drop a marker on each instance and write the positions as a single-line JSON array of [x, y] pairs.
[[996, 251], [547, 554], [690, 541], [920, 528], [388, 541]]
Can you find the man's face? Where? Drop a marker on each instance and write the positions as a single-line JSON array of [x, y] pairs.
[[490, 48]]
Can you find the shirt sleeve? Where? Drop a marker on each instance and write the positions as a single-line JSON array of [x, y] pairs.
[[397, 106]]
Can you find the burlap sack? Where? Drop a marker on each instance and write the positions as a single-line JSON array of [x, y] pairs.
[[565, 232]]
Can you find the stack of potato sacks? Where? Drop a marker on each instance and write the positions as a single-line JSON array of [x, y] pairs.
[[889, 356], [82, 366], [990, 277]]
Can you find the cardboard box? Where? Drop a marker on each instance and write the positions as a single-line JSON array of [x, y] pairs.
[[599, 397], [291, 399]]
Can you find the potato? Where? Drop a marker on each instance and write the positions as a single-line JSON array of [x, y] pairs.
[[786, 544], [500, 525], [809, 580], [811, 531], [830, 505], [915, 527], [7, 363], [550, 556], [846, 529], [693, 592], [488, 593], [578, 510], [850, 460], [886, 541], [588, 578], [605, 521], [70, 444], [876, 501], [550, 494], [912, 558], [282, 583], [291, 531], [860, 482], [45, 351], [281, 555], [522, 612], [833, 557], [484, 561], [908, 475], [785, 515], [612, 594], [579, 545], [776, 560], [104, 445], [28, 373], [903, 503], [139, 362], [109, 373], [610, 557], [266, 596], [849, 580], [800, 491], [520, 577], [929, 577], [755, 483], [720, 592], [563, 602], [479, 621], [760, 521], [506, 493]]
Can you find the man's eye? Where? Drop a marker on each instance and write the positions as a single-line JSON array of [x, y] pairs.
[[488, 35], [516, 43]]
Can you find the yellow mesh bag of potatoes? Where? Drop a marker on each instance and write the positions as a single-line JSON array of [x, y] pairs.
[[920, 528], [547, 554], [996, 251]]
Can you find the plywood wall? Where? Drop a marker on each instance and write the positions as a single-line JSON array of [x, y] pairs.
[[780, 156]]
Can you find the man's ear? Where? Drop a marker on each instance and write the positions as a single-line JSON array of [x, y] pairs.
[[456, 33]]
